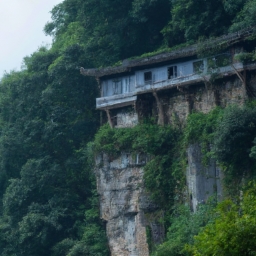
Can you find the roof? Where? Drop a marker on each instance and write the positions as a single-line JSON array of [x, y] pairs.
[[128, 64]]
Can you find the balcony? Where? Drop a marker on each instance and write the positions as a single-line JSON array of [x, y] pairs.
[[188, 79], [169, 83], [119, 100]]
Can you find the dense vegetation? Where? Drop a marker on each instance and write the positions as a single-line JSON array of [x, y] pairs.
[[233, 231], [228, 135], [49, 205], [162, 174]]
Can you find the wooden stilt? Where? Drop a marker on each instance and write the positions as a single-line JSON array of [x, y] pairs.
[[160, 109], [109, 118], [242, 79]]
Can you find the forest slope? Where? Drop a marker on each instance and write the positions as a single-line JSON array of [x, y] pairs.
[[49, 205]]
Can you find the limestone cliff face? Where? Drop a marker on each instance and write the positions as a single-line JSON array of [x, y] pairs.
[[124, 203], [125, 206], [202, 181]]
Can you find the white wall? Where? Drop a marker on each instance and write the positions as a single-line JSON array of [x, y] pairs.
[[128, 83]]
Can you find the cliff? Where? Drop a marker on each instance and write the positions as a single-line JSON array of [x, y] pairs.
[[125, 204]]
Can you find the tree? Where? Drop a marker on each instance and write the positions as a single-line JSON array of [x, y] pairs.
[[109, 31], [245, 17], [234, 139], [184, 226], [47, 120], [193, 19], [233, 232]]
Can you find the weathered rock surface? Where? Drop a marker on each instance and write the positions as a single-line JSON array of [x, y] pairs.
[[202, 181], [125, 206]]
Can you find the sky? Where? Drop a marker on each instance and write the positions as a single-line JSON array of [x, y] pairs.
[[21, 30]]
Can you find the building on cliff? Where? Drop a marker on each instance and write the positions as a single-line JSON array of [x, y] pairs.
[[168, 73], [167, 86]]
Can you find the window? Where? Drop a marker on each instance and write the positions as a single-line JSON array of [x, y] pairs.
[[106, 89], [126, 85], [172, 72], [117, 87], [148, 77], [198, 66]]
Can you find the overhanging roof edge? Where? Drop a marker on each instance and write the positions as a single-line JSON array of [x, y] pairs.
[[229, 39]]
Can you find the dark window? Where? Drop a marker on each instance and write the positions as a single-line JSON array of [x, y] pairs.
[[148, 77], [198, 66], [105, 89], [172, 72]]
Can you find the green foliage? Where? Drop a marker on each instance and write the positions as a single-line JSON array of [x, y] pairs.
[[218, 132], [233, 6], [92, 238], [233, 232], [152, 139], [120, 30], [227, 135], [218, 61], [246, 57], [160, 50], [149, 239], [245, 16], [200, 128], [46, 180], [253, 150], [116, 29], [184, 226], [192, 19], [163, 173], [234, 139], [47, 117]]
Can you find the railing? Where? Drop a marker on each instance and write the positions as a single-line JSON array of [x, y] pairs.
[[191, 78], [127, 98], [168, 83], [115, 99]]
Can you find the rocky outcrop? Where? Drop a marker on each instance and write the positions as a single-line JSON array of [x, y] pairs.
[[202, 181], [125, 206], [131, 217]]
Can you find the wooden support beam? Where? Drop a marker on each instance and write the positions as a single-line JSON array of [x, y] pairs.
[[179, 88], [242, 79], [109, 118], [206, 82], [238, 74], [160, 109]]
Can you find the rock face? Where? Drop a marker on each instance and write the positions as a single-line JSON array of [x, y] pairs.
[[202, 181], [126, 119], [125, 206], [201, 98]]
